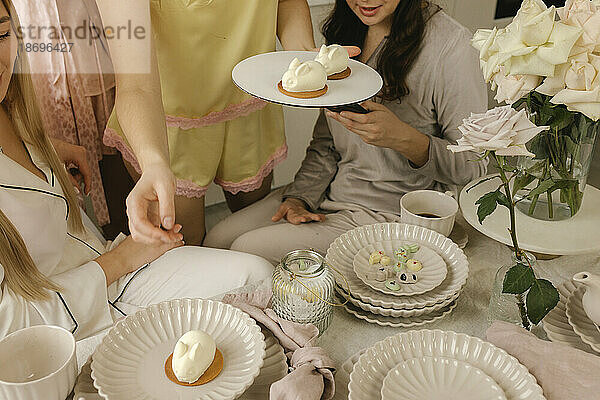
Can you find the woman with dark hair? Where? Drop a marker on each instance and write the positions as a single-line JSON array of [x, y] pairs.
[[359, 165]]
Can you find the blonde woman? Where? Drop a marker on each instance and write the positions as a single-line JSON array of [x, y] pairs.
[[52, 269]]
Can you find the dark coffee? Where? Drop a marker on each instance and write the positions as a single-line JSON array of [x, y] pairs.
[[427, 215]]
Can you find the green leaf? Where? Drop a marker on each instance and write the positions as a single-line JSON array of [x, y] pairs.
[[486, 205], [561, 118], [542, 298], [521, 181], [503, 200], [543, 187], [518, 279]]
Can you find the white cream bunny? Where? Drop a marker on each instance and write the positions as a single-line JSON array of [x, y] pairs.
[[334, 58], [193, 354], [304, 77]]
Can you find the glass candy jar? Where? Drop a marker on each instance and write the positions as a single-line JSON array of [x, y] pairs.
[[303, 289]]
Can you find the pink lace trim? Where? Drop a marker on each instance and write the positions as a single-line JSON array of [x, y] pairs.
[[185, 188], [188, 188], [230, 112], [253, 183]]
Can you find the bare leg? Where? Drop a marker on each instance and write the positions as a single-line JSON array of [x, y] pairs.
[[189, 212], [236, 202]]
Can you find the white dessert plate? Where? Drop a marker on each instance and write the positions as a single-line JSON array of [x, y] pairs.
[[274, 368], [129, 363], [391, 312], [342, 251], [342, 376], [403, 322], [556, 324], [431, 275], [581, 323], [577, 235], [373, 366], [259, 75], [439, 378]]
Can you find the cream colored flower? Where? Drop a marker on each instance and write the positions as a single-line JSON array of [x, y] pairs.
[[584, 14], [582, 87], [532, 44], [502, 130], [511, 88]]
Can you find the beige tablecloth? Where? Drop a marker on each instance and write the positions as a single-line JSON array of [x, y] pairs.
[[347, 334]]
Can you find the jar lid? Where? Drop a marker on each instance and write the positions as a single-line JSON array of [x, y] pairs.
[[304, 263]]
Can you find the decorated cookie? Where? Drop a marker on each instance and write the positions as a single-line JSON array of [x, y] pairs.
[[379, 275], [392, 284], [408, 278], [412, 248], [385, 260], [375, 257], [401, 253], [399, 267], [414, 265]]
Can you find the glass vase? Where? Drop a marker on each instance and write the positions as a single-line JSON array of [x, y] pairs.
[[303, 289], [553, 182], [504, 306]]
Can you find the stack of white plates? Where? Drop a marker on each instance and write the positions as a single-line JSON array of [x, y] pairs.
[[439, 365], [445, 271], [568, 322]]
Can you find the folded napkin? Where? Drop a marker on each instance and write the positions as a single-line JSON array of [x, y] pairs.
[[564, 373], [312, 370]]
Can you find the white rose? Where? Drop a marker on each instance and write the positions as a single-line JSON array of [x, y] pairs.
[[502, 130], [583, 14], [582, 87], [513, 87], [532, 44]]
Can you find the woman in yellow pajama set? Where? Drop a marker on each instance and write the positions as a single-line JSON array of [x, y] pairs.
[[216, 132]]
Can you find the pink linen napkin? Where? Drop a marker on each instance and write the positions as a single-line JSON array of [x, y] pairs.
[[564, 373], [312, 375]]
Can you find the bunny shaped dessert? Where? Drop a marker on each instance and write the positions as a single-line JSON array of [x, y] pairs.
[[335, 60], [195, 360], [305, 80]]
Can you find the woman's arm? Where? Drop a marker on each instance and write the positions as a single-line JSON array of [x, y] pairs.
[[318, 168], [139, 108], [294, 26]]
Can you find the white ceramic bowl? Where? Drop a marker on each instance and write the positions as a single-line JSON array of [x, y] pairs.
[[129, 363], [342, 251], [439, 378], [37, 363], [373, 366]]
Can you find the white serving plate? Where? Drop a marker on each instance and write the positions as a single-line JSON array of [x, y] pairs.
[[556, 324], [403, 322], [439, 378], [259, 75], [581, 323], [373, 366], [342, 251], [274, 368], [391, 312], [129, 363], [430, 276], [577, 235]]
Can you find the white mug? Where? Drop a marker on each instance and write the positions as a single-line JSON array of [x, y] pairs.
[[430, 209], [38, 363]]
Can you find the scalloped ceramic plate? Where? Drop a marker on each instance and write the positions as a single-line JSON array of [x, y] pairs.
[[431, 275], [274, 368], [439, 378], [129, 363], [342, 251], [373, 366], [342, 376], [581, 323], [403, 322], [390, 312], [556, 324]]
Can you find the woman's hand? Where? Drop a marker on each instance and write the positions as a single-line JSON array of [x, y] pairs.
[[295, 212], [74, 156], [129, 255], [151, 207], [381, 127]]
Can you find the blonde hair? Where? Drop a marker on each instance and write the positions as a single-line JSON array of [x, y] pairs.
[[21, 275]]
